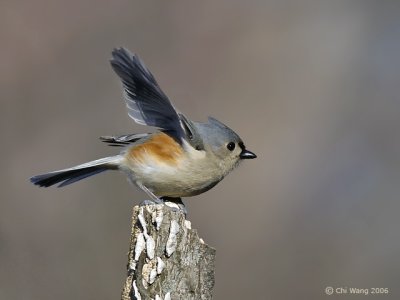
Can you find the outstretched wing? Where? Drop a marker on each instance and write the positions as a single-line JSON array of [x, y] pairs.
[[146, 102]]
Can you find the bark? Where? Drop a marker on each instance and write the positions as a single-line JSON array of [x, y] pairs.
[[167, 259]]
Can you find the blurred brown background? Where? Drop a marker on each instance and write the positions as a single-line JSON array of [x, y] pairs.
[[311, 86]]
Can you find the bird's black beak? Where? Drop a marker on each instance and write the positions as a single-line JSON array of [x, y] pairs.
[[246, 154]]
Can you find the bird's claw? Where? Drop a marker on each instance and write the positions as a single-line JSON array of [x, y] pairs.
[[175, 204]]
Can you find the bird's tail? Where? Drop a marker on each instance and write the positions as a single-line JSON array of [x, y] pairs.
[[74, 174]]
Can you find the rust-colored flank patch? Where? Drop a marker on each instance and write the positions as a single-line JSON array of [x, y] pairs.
[[160, 146]]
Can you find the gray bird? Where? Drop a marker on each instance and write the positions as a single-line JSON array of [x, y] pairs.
[[184, 158]]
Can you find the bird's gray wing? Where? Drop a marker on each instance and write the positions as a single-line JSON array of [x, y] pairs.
[[147, 104], [123, 140]]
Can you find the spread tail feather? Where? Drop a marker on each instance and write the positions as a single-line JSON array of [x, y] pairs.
[[74, 174]]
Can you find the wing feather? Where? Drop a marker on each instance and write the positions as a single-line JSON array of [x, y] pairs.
[[123, 140], [146, 102]]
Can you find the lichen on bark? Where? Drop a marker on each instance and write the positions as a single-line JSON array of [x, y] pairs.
[[166, 258]]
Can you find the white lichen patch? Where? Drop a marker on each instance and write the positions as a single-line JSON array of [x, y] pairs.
[[136, 291], [149, 272], [160, 265], [167, 296], [158, 297], [146, 275], [172, 205], [142, 221], [188, 224], [132, 265], [152, 276], [157, 216], [201, 241], [150, 246], [150, 243], [172, 238], [140, 245]]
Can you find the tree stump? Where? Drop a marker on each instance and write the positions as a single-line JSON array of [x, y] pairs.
[[167, 259]]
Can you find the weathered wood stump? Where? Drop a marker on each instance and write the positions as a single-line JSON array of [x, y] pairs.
[[167, 259]]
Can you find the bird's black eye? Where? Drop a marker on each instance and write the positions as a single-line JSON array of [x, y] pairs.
[[231, 146]]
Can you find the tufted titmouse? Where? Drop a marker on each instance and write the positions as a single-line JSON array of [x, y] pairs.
[[184, 158]]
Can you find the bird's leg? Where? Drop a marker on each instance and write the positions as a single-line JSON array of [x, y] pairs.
[[175, 204], [147, 202], [154, 199]]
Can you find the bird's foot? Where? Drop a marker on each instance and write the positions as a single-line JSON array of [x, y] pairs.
[[150, 202], [175, 204]]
